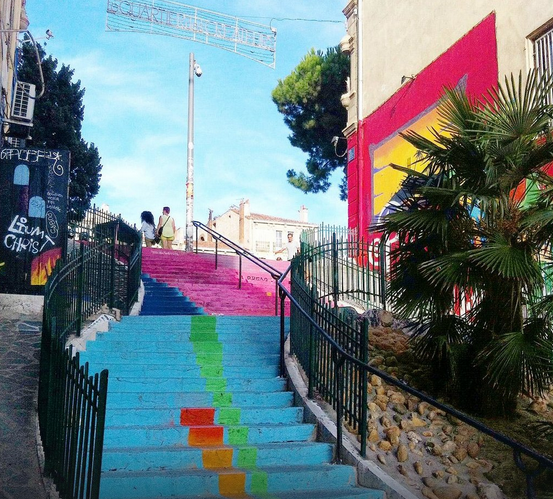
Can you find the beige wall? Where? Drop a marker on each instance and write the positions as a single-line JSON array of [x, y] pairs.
[[402, 37], [228, 225]]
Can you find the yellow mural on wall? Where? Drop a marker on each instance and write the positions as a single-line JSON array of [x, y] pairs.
[[396, 150]]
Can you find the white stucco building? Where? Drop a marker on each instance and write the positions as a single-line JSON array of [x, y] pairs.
[[260, 234]]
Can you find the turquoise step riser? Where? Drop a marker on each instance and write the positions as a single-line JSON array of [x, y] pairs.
[[141, 384], [142, 436], [182, 358], [171, 416], [151, 336], [137, 459], [158, 332], [159, 313], [177, 331], [155, 345], [131, 368], [160, 294], [198, 399], [128, 485], [249, 321], [176, 306]]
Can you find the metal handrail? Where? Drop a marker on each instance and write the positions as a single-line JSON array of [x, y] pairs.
[[339, 356], [101, 267], [241, 252]]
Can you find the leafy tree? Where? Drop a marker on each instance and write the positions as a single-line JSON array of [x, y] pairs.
[[467, 236], [57, 123], [309, 99]]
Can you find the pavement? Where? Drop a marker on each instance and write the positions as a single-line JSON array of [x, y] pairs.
[[20, 465]]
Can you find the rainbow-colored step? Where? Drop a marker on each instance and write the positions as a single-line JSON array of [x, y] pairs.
[[196, 410]]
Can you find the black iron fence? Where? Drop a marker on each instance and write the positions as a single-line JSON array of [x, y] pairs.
[[72, 425], [331, 344], [101, 267]]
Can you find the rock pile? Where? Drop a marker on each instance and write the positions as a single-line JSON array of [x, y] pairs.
[[432, 453], [437, 456]]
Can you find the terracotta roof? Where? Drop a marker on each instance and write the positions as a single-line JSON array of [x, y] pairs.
[[269, 218]]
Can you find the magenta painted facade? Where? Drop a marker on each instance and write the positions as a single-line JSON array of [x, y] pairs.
[[471, 62]]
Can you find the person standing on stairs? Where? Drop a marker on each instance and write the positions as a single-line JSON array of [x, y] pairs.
[[148, 228], [292, 247], [166, 228]]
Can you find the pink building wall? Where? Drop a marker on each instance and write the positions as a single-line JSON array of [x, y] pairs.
[[472, 62]]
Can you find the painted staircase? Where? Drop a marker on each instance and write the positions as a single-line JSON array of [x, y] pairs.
[[216, 291], [196, 407], [196, 410]]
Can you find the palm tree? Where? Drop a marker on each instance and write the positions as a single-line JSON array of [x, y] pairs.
[[476, 228]]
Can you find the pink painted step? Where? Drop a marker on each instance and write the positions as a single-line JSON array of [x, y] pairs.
[[216, 290]]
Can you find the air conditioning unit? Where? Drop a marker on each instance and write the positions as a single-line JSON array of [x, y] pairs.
[[23, 105]]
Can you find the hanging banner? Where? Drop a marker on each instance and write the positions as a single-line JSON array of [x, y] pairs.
[[33, 216], [163, 17]]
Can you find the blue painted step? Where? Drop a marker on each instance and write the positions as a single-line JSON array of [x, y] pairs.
[[160, 299], [163, 370], [171, 435], [174, 458], [202, 483], [248, 415]]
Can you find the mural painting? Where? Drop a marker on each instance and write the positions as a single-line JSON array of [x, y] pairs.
[[471, 63], [33, 215]]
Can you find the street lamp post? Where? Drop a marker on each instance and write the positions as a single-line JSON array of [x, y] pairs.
[[193, 70]]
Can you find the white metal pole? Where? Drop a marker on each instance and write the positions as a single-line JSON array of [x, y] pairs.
[[190, 158]]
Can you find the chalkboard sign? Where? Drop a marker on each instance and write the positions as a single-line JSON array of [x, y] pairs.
[[33, 216]]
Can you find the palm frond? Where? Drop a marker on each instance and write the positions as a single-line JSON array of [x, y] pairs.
[[520, 361], [508, 262]]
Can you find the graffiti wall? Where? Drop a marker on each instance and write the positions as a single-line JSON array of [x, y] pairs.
[[33, 216], [372, 183]]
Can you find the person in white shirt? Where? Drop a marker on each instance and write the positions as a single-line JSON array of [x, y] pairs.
[[292, 247]]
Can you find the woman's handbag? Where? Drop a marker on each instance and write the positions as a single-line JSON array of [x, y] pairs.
[[157, 237]]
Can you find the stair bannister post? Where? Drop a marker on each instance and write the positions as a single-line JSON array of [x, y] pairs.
[[239, 271], [216, 252], [282, 332], [96, 464], [338, 361], [335, 288], [364, 385], [311, 358], [382, 268], [276, 296], [80, 291]]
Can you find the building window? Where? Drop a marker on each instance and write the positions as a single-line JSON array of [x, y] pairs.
[[262, 246], [543, 54], [278, 239]]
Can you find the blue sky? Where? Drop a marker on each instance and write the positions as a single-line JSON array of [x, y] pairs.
[[136, 109]]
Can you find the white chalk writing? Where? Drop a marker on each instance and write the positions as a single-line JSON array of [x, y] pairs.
[[22, 237]]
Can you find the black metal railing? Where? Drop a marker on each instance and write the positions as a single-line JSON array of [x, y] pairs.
[[101, 266], [72, 428], [242, 253], [332, 348]]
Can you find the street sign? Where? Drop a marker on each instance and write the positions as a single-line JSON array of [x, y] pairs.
[[163, 17]]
